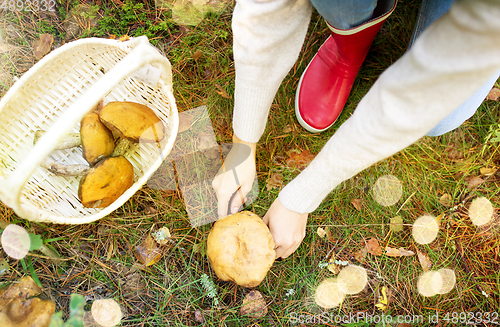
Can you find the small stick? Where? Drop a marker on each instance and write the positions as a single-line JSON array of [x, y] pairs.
[[62, 169]]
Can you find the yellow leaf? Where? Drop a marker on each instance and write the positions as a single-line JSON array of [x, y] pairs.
[[382, 299], [332, 266]]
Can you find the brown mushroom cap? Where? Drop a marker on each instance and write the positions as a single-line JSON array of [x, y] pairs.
[[106, 182], [240, 248], [97, 139], [132, 121]]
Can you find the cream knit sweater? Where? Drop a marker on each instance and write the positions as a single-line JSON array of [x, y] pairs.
[[448, 63]]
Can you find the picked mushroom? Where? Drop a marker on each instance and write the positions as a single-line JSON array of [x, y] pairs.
[[97, 140], [132, 122], [240, 248], [20, 307], [106, 182]]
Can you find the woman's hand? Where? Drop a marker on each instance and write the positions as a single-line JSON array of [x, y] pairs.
[[287, 227], [236, 175]]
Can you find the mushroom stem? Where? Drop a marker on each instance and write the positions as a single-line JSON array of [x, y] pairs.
[[121, 146], [62, 169], [69, 141]]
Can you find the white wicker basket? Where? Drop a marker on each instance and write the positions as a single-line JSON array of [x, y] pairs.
[[54, 95]]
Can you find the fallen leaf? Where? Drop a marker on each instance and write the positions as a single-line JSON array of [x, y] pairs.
[[198, 316], [392, 252], [446, 200], [162, 235], [275, 181], [221, 91], [473, 181], [148, 252], [287, 129], [332, 266], [4, 266], [383, 299], [254, 305], [401, 252], [321, 232], [406, 253], [488, 171], [397, 224], [197, 55], [43, 45], [424, 260], [494, 94], [299, 160], [360, 255], [373, 247], [124, 38], [185, 121], [357, 204]]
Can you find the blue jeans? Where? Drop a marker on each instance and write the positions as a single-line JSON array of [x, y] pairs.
[[343, 14]]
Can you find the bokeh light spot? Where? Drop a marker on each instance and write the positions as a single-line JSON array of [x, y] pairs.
[[387, 190], [329, 293], [425, 229], [481, 211], [353, 279], [15, 241]]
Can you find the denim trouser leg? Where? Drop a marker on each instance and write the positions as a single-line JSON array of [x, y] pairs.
[[431, 10], [344, 14]]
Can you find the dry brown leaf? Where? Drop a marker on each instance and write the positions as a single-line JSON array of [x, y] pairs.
[[401, 252], [254, 305], [275, 181], [221, 91], [473, 181], [424, 260], [148, 252], [494, 94], [197, 55], [299, 160], [321, 232], [198, 316], [43, 45], [406, 253], [287, 129], [357, 204], [360, 255], [488, 171], [373, 247], [446, 200], [185, 121], [392, 252]]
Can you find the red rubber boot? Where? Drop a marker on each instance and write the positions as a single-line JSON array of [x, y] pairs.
[[325, 84]]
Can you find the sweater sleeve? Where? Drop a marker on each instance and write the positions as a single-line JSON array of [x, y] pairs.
[[452, 59], [268, 36]]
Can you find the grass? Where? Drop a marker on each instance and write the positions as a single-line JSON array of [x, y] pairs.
[[99, 259]]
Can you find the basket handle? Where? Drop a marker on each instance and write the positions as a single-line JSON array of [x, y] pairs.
[[143, 53]]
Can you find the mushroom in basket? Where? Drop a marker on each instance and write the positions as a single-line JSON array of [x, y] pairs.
[[110, 174]]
